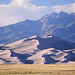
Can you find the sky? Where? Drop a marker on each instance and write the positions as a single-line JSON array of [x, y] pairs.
[[44, 2], [13, 11]]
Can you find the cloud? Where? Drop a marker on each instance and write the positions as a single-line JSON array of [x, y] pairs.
[[69, 8], [19, 10], [20, 2]]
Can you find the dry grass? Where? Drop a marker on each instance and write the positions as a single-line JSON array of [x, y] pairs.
[[37, 69]]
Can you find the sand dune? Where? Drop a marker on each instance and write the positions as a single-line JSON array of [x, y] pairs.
[[36, 50], [5, 58]]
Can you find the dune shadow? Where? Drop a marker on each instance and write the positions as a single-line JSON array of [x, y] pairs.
[[54, 42], [22, 57], [4, 60], [49, 60], [70, 57]]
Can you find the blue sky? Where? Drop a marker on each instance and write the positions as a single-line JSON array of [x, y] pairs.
[[13, 11], [52, 2], [4, 1], [44, 2]]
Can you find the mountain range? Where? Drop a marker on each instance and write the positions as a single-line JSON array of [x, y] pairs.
[[61, 25]]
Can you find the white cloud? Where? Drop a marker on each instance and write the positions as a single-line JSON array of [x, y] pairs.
[[19, 10], [19, 2], [69, 8]]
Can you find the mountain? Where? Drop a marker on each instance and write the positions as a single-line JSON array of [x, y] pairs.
[[19, 31], [61, 25], [35, 50]]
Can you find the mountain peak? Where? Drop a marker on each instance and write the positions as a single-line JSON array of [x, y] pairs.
[[63, 14], [53, 15]]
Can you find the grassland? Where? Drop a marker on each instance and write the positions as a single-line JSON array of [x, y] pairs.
[[37, 69]]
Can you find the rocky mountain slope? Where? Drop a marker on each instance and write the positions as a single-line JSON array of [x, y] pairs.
[[61, 25], [19, 31], [35, 50]]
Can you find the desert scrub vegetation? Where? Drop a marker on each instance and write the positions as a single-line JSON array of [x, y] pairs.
[[36, 69]]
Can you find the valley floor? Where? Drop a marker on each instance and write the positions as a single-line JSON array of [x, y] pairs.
[[21, 69]]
